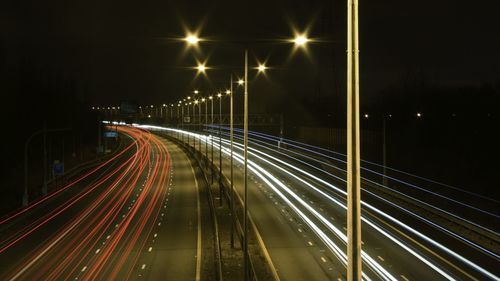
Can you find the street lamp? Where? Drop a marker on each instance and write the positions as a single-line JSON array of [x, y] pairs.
[[240, 82], [192, 39], [300, 40], [261, 68]]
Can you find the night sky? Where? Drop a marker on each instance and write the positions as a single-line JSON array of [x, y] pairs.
[[126, 50], [59, 58]]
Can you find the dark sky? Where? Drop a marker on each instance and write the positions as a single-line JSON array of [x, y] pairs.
[[124, 50]]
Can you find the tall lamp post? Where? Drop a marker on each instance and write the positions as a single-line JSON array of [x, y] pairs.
[[245, 169], [206, 124], [219, 95], [231, 157], [353, 149], [212, 139]]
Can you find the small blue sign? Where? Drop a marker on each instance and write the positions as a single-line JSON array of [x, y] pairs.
[[111, 134], [58, 169]]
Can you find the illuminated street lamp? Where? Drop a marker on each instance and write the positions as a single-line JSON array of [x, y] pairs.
[[240, 82], [192, 39], [300, 40], [261, 68]]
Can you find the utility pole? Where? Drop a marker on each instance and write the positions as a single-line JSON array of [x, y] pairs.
[[353, 147]]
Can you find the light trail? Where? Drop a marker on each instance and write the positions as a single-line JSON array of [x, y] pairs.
[[320, 235], [73, 245]]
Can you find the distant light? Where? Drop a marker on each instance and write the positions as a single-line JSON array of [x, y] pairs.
[[201, 68], [261, 68], [228, 92], [196, 102], [203, 99], [196, 92], [164, 105], [210, 97], [366, 115], [189, 97], [93, 108], [192, 39], [419, 114], [300, 40], [240, 82], [149, 115], [219, 95], [151, 106], [178, 104]]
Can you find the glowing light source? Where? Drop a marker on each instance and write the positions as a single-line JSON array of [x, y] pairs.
[[366, 115], [196, 92], [219, 95], [261, 68], [228, 92], [192, 39], [300, 40], [419, 114], [240, 82]]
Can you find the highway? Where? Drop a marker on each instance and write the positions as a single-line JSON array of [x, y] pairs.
[[140, 216], [136, 216], [299, 206]]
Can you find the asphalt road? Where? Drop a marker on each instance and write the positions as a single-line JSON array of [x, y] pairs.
[[135, 217], [302, 219]]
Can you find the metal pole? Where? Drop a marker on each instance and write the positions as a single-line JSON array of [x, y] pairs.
[[187, 106], [44, 186], [206, 123], [220, 150], [384, 152], [212, 141], [199, 127], [245, 153], [231, 162], [353, 148]]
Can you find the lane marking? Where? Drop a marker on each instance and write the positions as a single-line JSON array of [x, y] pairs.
[[381, 258], [323, 259], [404, 277], [198, 248]]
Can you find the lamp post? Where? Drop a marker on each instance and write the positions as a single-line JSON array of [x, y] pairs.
[[206, 123], [199, 125], [219, 95], [194, 126], [212, 139], [353, 148], [231, 161], [245, 169]]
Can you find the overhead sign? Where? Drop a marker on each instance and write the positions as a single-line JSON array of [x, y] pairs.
[[110, 134]]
